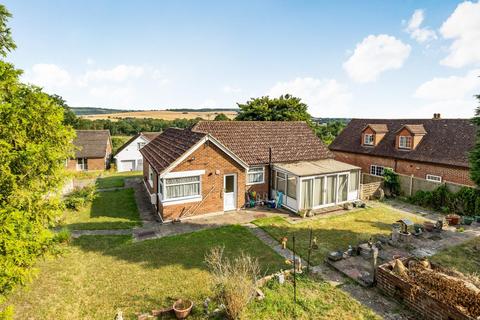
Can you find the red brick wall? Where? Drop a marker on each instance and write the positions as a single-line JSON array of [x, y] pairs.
[[418, 169], [93, 164], [426, 306], [216, 164]]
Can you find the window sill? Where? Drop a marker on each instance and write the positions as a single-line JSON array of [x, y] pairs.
[[254, 183], [169, 202]]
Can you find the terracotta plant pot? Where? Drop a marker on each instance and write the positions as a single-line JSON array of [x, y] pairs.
[[429, 226], [453, 219], [182, 308]]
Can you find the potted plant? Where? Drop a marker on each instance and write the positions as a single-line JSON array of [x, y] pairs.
[[468, 220], [453, 219], [182, 308]]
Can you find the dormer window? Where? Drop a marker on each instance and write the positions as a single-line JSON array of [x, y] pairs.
[[368, 139], [405, 142]]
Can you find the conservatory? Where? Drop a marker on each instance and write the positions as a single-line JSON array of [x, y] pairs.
[[315, 184]]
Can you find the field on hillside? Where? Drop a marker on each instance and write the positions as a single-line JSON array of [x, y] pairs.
[[161, 114]]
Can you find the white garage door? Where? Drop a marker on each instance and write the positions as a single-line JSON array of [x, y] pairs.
[[127, 165], [140, 165]]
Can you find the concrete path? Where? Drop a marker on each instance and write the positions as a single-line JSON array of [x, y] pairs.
[[241, 217], [111, 232]]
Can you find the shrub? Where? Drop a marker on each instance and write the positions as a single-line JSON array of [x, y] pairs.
[[78, 198], [464, 202], [234, 280], [63, 236], [391, 181]]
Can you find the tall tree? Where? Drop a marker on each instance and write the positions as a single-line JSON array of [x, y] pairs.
[[284, 108], [34, 144], [475, 153]]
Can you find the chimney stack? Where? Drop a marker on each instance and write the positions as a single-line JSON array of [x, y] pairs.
[[436, 116]]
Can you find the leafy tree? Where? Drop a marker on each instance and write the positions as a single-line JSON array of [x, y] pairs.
[[221, 117], [69, 117], [284, 108], [329, 131], [475, 153], [391, 180], [34, 144]]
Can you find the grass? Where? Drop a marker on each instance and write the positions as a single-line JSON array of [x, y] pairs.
[[115, 180], [109, 210], [316, 299], [99, 274], [336, 232], [464, 257]]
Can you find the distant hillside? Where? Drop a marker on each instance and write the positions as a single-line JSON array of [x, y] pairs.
[[204, 109], [89, 111]]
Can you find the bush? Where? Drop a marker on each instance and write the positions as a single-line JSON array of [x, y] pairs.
[[78, 198], [63, 236], [234, 279], [391, 181], [464, 202]]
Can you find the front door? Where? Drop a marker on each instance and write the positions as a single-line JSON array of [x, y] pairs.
[[229, 192]]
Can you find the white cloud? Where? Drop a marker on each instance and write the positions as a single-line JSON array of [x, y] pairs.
[[451, 96], [374, 55], [447, 88], [463, 27], [119, 73], [49, 76], [231, 89], [324, 97], [415, 30]]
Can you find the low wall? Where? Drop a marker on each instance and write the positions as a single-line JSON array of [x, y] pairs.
[[369, 186], [417, 299]]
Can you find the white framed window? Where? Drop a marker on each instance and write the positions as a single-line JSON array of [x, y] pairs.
[[150, 175], [368, 139], [140, 145], [256, 175], [281, 182], [376, 170], [434, 178], [353, 181], [82, 164], [182, 187], [405, 142]]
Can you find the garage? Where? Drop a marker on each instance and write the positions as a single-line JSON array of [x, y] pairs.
[[127, 165]]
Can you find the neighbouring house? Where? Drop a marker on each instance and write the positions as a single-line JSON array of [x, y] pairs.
[[212, 166], [433, 149], [93, 149], [128, 156]]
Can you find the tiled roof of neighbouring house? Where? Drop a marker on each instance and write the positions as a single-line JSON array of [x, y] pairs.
[[446, 141], [150, 135], [251, 140], [169, 146], [91, 143], [378, 128]]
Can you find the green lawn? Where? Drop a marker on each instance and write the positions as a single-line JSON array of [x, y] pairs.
[[109, 210], [465, 257], [115, 180], [315, 300], [99, 274], [336, 232]]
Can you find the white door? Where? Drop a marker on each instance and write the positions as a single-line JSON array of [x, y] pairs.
[[128, 165], [229, 192]]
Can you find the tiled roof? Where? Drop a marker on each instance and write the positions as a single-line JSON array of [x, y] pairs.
[[91, 143], [150, 135], [251, 140], [169, 146], [378, 127], [447, 141]]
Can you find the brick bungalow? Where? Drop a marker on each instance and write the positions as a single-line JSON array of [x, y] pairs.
[[210, 168], [93, 149], [433, 149]]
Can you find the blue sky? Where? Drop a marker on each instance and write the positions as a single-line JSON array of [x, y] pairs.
[[344, 58]]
